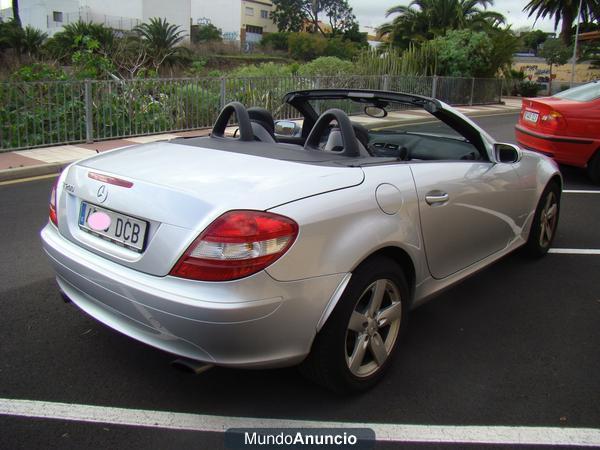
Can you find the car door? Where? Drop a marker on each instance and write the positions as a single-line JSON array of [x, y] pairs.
[[469, 209]]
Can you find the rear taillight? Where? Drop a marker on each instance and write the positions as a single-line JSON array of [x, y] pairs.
[[236, 245], [553, 120], [53, 215]]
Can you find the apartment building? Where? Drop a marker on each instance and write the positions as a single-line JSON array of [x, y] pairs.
[[51, 15], [245, 21]]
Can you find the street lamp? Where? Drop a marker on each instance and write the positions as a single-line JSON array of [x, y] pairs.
[[574, 63]]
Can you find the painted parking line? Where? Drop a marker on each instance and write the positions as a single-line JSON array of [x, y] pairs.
[[580, 191], [575, 251], [507, 435]]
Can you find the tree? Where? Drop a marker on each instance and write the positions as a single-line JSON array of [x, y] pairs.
[[31, 41], [288, 15], [554, 52], [340, 15], [424, 20], [564, 11], [533, 39], [69, 40], [464, 53], [161, 39], [295, 15]]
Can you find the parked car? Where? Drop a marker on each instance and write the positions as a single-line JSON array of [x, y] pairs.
[[564, 127], [307, 248]]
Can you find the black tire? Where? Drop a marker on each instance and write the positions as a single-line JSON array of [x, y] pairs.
[[593, 168], [545, 222], [330, 359]]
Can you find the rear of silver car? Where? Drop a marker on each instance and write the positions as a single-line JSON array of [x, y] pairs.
[[253, 321]]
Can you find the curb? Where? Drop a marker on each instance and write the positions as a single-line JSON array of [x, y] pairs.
[[18, 173], [32, 171]]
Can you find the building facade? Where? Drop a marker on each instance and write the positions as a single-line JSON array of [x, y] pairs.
[[51, 15], [244, 21]]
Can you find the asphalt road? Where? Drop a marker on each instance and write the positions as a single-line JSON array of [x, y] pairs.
[[518, 344]]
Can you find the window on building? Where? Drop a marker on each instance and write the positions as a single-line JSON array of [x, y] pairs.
[[264, 14], [57, 16], [253, 29], [249, 11]]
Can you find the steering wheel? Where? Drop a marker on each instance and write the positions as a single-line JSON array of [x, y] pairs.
[[347, 132], [245, 127]]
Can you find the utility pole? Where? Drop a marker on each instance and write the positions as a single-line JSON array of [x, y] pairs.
[[574, 63]]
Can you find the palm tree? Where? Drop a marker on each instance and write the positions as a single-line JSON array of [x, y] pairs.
[[565, 11], [426, 19], [32, 40], [161, 39]]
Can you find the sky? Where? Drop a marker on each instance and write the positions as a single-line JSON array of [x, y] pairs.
[[371, 13]]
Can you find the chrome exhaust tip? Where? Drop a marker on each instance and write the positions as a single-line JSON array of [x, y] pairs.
[[191, 365]]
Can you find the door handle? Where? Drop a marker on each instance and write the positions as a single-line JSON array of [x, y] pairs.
[[435, 197]]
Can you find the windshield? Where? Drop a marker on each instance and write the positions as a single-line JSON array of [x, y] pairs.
[[585, 93]]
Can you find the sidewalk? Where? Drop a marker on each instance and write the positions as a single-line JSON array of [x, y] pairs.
[[49, 160]]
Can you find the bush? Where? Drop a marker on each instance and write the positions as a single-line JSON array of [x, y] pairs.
[[464, 53], [306, 46], [205, 33], [39, 72], [326, 66], [262, 70], [276, 41], [528, 89], [341, 48]]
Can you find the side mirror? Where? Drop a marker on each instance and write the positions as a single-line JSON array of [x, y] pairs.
[[507, 153], [287, 128]]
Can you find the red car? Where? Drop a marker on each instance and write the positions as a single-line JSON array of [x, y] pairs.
[[565, 127]]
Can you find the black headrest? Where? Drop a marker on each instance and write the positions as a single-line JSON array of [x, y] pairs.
[[263, 117]]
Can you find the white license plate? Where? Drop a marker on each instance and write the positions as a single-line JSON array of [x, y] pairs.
[[531, 116], [123, 230]]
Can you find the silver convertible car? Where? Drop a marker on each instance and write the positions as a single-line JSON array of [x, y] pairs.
[[298, 242]]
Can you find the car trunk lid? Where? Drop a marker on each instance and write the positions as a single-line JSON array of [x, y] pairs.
[[178, 190]]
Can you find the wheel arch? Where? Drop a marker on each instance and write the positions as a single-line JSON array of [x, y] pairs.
[[403, 259], [398, 255]]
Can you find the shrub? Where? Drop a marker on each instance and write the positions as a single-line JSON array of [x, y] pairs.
[[205, 33], [341, 48], [528, 89], [262, 70], [66, 42], [276, 41], [326, 66], [306, 46], [464, 53], [38, 72]]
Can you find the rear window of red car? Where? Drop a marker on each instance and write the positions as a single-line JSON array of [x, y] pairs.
[[585, 93]]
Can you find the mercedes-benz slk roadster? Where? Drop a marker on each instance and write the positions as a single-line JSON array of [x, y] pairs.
[[295, 242]]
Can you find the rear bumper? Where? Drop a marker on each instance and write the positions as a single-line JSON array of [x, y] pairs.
[[253, 322], [567, 150]]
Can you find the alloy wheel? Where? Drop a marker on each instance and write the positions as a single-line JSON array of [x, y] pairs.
[[548, 220], [373, 328]]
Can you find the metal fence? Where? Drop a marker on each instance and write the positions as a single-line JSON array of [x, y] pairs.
[[36, 114]]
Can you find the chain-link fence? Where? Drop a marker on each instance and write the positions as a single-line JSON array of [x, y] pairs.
[[37, 114]]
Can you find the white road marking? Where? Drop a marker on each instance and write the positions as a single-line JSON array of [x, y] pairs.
[[508, 435], [579, 191], [575, 251]]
